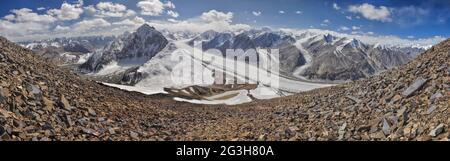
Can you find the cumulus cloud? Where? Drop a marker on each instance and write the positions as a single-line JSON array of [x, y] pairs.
[[40, 8], [172, 14], [169, 5], [102, 19], [281, 12], [59, 28], [372, 12], [298, 12], [151, 7], [67, 11], [348, 17], [27, 15], [109, 9], [210, 20], [216, 16], [24, 22], [90, 24], [256, 13], [136, 21]]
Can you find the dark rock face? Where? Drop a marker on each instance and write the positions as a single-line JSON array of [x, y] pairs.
[[129, 49], [79, 48], [349, 59], [132, 76]]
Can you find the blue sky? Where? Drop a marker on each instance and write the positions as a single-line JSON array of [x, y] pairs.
[[408, 19]]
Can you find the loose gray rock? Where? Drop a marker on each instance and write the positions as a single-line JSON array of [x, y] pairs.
[[2, 131], [436, 95], [436, 131], [354, 99], [2, 57], [134, 135], [34, 89], [2, 94], [418, 83], [386, 128], [431, 109], [64, 103], [341, 131]]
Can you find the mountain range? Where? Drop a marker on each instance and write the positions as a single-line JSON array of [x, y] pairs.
[[39, 100], [304, 55]]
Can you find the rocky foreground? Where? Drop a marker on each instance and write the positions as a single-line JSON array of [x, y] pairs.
[[39, 101]]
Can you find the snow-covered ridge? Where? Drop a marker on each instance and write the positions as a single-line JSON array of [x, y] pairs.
[[388, 41]]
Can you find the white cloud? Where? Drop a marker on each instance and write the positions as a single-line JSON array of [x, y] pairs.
[[336, 7], [151, 7], [130, 13], [136, 21], [27, 15], [24, 22], [210, 20], [169, 5], [356, 32], [172, 14], [344, 28], [67, 11], [9, 17], [356, 27], [326, 21], [109, 9], [172, 20], [256, 13], [281, 12], [90, 10], [348, 17], [371, 12], [370, 33], [410, 37], [59, 28], [298, 12], [216, 16], [40, 8], [90, 24]]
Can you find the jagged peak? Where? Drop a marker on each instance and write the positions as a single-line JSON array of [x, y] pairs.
[[328, 38], [145, 28]]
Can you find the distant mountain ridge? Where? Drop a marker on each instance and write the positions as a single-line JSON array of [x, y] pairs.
[[306, 55]]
